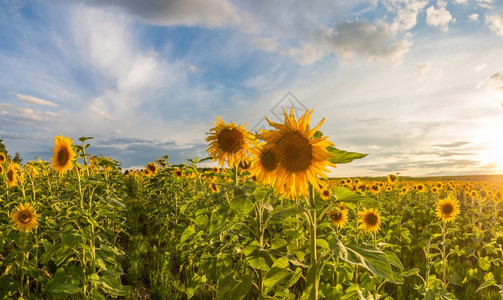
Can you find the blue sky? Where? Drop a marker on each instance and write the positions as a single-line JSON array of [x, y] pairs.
[[418, 85]]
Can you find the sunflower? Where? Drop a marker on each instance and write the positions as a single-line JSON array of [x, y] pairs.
[[13, 171], [325, 193], [498, 196], [264, 163], [420, 188], [2, 158], [177, 172], [391, 179], [214, 187], [25, 217], [152, 169], [245, 164], [301, 159], [447, 209], [370, 220], [228, 142], [339, 218], [375, 188], [63, 154], [215, 169]]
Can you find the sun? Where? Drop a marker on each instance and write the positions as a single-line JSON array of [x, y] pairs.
[[491, 136]]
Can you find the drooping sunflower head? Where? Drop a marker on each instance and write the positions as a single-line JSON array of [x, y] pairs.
[[245, 164], [31, 169], [325, 193], [301, 158], [152, 169], [339, 217], [63, 154], [375, 188], [177, 173], [12, 174], [214, 187], [369, 220], [228, 142], [498, 196], [25, 217], [391, 179], [2, 158], [447, 209], [264, 163]]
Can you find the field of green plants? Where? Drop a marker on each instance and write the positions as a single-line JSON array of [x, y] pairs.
[[266, 224]]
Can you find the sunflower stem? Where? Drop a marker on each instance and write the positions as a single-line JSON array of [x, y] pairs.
[[236, 175], [314, 255]]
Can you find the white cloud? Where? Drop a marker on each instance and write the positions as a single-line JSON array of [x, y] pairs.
[[474, 17], [427, 69], [461, 1], [209, 13], [102, 114], [266, 44], [495, 22], [305, 55], [366, 40], [406, 13], [16, 114], [495, 81], [38, 101], [439, 17], [480, 67]]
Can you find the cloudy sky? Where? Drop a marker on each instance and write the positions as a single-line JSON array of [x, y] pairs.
[[416, 84]]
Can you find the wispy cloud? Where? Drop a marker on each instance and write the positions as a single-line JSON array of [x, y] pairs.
[[34, 100]]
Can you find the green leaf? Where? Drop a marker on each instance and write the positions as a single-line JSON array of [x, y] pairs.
[[275, 275], [317, 135], [241, 205], [343, 157], [61, 285], [187, 234], [260, 193], [195, 284], [372, 259], [343, 194], [231, 288], [489, 282], [410, 272]]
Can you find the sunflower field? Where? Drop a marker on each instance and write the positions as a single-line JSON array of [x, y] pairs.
[[266, 224]]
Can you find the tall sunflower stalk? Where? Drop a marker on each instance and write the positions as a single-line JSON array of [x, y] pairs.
[[293, 160], [447, 210]]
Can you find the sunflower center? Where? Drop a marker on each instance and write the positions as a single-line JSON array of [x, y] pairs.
[[230, 140], [371, 219], [268, 160], [295, 152], [447, 209], [336, 216], [326, 193], [63, 156], [10, 175], [24, 217]]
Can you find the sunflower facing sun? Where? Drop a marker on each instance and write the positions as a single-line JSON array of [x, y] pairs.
[[63, 154], [447, 209], [228, 142], [25, 217], [370, 220], [293, 155], [12, 174]]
